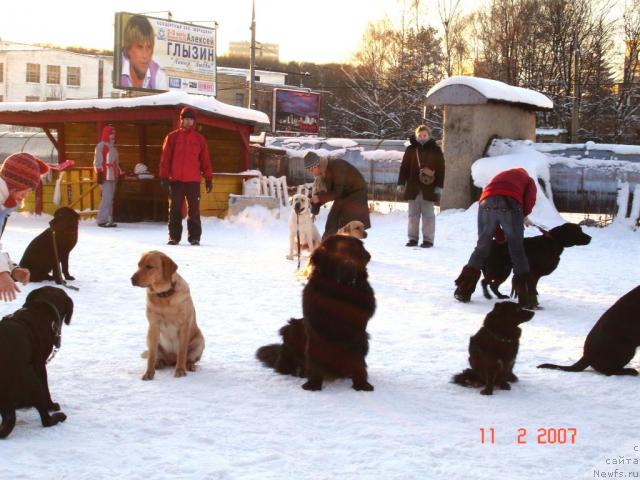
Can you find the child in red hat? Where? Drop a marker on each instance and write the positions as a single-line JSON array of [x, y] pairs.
[[19, 174]]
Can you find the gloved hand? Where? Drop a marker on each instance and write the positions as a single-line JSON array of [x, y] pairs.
[[438, 192], [100, 178], [208, 185], [164, 184]]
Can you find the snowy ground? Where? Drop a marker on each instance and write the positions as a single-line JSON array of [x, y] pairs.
[[235, 419]]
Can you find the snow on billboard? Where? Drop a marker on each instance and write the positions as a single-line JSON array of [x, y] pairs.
[[296, 111], [159, 55]]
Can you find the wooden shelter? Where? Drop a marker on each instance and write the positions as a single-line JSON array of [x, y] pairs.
[[74, 126]]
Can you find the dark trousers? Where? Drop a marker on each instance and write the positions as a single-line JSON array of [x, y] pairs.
[[507, 213], [179, 191]]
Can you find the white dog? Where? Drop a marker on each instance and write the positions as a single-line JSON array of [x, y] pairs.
[[301, 222]]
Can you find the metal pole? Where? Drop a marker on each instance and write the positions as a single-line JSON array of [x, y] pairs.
[[575, 109], [215, 66], [252, 66]]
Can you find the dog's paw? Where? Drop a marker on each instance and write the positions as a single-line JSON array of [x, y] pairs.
[[59, 417], [191, 367], [54, 407], [148, 375], [630, 371], [180, 372], [312, 386], [505, 386], [511, 377], [486, 391], [363, 387], [289, 257], [54, 419]]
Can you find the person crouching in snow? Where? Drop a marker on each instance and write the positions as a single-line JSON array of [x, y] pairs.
[[338, 181], [503, 211], [20, 174], [185, 159], [106, 165], [420, 182]]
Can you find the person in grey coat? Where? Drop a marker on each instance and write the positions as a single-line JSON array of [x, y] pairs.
[[338, 181], [107, 170], [422, 154]]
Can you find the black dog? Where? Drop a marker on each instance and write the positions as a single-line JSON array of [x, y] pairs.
[[612, 341], [27, 340], [543, 253], [331, 341], [39, 257], [493, 349]]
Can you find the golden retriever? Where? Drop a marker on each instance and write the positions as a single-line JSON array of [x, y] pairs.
[[354, 229], [173, 337]]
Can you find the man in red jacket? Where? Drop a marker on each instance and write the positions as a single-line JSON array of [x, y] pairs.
[[503, 211], [185, 159]]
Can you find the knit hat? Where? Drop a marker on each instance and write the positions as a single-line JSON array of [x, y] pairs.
[[187, 112], [107, 130], [22, 171], [311, 159]]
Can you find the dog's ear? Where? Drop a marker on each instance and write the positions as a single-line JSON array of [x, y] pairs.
[[68, 310], [319, 256], [169, 267], [291, 200]]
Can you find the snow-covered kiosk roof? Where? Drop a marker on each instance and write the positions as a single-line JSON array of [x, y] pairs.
[[209, 106], [465, 90]]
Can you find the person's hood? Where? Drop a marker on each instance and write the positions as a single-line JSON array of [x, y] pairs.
[[106, 131], [189, 112], [414, 141]]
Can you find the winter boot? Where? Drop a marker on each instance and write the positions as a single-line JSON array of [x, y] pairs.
[[466, 284], [524, 290]]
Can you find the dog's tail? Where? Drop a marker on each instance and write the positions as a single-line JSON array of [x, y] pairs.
[[467, 378], [269, 354], [579, 366]]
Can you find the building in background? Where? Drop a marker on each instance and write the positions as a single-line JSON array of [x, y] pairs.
[[35, 73], [264, 51], [233, 87]]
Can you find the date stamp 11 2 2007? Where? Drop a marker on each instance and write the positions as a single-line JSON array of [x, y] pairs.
[[539, 436]]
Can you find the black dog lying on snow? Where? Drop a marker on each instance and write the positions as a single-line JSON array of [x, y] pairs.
[[39, 257], [493, 349], [27, 338], [331, 341], [543, 253], [612, 341]]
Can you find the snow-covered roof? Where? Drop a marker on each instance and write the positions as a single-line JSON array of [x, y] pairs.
[[464, 90], [173, 98]]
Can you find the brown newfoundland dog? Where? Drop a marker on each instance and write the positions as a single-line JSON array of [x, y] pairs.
[[331, 341]]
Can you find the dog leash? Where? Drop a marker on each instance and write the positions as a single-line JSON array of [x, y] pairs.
[[58, 270], [542, 230], [298, 236]]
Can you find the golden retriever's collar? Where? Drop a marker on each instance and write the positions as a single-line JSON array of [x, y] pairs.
[[167, 293]]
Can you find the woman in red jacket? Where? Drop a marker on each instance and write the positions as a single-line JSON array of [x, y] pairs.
[[503, 211], [185, 160]]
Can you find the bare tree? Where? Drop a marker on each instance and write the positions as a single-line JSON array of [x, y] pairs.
[[448, 10]]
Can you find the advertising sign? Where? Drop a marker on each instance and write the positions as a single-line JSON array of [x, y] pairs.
[[159, 55], [296, 111]]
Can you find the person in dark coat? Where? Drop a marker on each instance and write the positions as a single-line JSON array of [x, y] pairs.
[[338, 181], [503, 212], [184, 161], [423, 153]]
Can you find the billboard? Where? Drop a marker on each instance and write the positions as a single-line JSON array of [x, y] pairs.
[[158, 55], [296, 111]]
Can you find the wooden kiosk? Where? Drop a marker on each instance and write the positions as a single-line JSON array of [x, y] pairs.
[[74, 128]]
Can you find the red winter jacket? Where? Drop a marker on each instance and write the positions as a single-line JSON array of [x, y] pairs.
[[515, 183], [185, 156]]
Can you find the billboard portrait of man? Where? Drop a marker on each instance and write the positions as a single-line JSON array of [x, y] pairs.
[[138, 69]]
